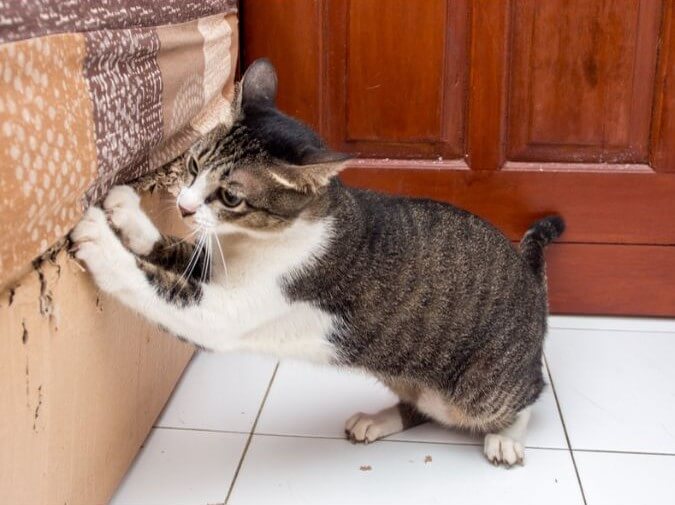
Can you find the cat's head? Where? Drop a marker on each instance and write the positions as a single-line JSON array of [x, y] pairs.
[[261, 173]]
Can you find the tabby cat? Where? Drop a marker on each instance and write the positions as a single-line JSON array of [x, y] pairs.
[[430, 299]]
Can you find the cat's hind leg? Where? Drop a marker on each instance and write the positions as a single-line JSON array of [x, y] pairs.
[[504, 445]]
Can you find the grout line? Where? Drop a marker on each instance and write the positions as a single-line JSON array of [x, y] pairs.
[[344, 439], [632, 330], [629, 453], [567, 437], [433, 442], [206, 430], [428, 442], [250, 435]]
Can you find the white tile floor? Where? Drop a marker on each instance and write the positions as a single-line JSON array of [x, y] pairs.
[[239, 430]]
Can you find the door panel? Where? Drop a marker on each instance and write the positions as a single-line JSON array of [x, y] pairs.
[[394, 89], [374, 77], [582, 79], [511, 109], [617, 279]]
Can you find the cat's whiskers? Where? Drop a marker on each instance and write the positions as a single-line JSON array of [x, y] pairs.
[[187, 236], [206, 267], [194, 259], [209, 228], [222, 256]]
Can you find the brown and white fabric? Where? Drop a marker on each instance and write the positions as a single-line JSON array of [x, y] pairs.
[[97, 92]]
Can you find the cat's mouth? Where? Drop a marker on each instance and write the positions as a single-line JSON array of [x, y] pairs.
[[206, 223]]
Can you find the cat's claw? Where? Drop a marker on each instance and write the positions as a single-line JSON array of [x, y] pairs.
[[122, 205], [96, 245]]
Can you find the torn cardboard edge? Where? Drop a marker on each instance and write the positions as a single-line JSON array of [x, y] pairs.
[[168, 177]]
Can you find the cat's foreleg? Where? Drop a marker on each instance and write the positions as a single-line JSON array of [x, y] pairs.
[[209, 315], [159, 294], [139, 234], [367, 428]]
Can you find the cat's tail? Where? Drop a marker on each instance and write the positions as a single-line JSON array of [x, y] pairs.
[[536, 238]]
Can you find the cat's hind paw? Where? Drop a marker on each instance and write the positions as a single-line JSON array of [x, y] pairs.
[[123, 208]]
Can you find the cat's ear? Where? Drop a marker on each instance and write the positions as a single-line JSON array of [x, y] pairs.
[[316, 169], [259, 84], [321, 165], [318, 166]]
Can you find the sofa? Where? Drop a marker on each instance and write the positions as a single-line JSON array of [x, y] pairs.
[[92, 93]]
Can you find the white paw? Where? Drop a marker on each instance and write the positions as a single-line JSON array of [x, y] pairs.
[[122, 196], [123, 208], [99, 249], [367, 428], [500, 449]]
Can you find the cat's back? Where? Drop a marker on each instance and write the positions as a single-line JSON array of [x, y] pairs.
[[408, 274], [427, 232]]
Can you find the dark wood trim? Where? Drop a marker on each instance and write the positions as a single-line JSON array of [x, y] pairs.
[[488, 61], [600, 168], [288, 31], [599, 207], [334, 82], [663, 122], [453, 118], [610, 279]]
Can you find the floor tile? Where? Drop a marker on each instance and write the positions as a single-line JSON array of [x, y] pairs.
[[290, 470], [306, 400], [182, 467], [626, 479], [615, 388], [314, 400], [219, 392]]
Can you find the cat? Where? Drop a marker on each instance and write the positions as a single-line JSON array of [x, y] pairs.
[[428, 298]]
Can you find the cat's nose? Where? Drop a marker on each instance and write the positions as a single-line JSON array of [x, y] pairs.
[[185, 212]]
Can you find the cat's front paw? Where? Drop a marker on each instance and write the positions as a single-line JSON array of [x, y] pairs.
[[366, 428], [135, 228], [503, 450], [96, 245]]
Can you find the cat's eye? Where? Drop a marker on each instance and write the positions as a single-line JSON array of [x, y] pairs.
[[230, 199], [193, 167]]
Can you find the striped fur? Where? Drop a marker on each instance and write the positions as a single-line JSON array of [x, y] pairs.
[[428, 298]]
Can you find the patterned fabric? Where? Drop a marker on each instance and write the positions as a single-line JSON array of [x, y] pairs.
[[98, 92], [23, 19]]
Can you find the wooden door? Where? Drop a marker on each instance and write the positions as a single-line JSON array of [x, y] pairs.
[[510, 109]]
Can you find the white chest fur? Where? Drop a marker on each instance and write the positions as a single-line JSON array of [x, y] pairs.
[[244, 306]]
